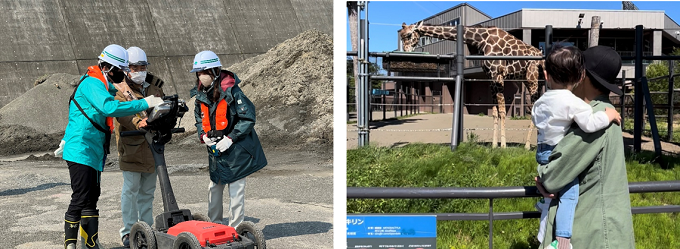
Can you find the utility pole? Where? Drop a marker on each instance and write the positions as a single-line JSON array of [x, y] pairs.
[[594, 32]]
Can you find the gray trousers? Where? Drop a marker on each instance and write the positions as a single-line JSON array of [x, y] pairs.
[[237, 192], [136, 199]]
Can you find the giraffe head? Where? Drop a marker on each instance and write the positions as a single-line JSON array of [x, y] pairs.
[[409, 36]]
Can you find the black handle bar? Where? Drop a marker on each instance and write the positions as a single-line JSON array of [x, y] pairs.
[[142, 132]]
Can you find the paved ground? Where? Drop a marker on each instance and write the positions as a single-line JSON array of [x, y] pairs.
[[436, 128], [291, 199]]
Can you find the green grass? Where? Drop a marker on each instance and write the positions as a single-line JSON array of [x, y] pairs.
[[520, 117], [473, 165], [662, 127]]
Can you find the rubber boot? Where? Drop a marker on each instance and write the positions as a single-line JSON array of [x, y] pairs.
[[71, 225], [89, 226]]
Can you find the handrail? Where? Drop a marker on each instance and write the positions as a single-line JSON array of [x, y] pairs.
[[492, 193], [487, 192]]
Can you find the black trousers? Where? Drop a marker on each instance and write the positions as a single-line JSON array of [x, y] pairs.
[[86, 188]]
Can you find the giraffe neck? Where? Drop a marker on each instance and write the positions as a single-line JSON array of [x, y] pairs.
[[450, 33]]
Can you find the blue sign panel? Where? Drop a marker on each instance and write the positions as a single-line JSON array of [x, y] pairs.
[[391, 231], [380, 92]]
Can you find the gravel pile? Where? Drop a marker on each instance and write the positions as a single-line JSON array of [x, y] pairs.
[[291, 86]]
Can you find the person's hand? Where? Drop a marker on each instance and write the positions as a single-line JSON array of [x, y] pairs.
[[207, 141], [542, 190], [143, 123], [59, 152], [613, 115], [224, 144], [153, 101]]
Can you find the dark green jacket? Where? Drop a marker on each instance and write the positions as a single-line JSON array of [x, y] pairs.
[[603, 217], [245, 156]]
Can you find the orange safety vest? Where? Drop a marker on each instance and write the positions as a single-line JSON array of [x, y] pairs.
[[95, 72], [220, 116]]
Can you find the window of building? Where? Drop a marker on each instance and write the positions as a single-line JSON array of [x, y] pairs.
[[453, 22], [426, 40]]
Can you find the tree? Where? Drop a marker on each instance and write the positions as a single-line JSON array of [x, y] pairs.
[[373, 69], [353, 15], [657, 69]]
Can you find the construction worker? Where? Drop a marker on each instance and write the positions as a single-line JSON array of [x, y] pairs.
[[225, 120], [87, 138], [135, 157]]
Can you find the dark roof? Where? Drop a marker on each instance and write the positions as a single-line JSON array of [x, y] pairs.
[[458, 6]]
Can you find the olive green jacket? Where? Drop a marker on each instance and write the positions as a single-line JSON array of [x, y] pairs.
[[603, 217]]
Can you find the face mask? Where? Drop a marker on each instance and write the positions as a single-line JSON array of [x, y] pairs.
[[138, 77], [117, 76], [206, 80]]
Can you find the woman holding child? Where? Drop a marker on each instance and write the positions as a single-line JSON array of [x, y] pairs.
[[585, 163]]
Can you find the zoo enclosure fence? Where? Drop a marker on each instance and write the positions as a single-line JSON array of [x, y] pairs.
[[492, 193]]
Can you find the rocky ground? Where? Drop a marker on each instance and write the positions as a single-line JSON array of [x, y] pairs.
[[291, 199]]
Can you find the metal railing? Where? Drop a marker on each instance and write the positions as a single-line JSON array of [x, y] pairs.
[[492, 193]]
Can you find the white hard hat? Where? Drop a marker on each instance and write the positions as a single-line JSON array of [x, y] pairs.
[[137, 56], [205, 60], [116, 56]]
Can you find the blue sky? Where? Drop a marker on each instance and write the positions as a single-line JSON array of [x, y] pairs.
[[385, 17]]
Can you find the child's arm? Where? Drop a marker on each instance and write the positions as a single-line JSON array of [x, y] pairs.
[[590, 122]]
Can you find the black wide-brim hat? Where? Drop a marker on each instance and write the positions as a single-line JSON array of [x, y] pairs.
[[604, 65]]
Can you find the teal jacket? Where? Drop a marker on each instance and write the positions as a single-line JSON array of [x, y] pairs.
[[84, 143], [246, 155], [603, 217]]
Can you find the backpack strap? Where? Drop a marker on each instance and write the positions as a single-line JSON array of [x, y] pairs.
[[107, 141]]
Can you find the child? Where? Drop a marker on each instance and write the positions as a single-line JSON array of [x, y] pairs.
[[553, 114]]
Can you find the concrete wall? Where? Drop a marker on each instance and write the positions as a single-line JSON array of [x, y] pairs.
[[65, 36]]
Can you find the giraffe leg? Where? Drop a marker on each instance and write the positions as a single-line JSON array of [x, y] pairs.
[[527, 145], [501, 113], [495, 127], [532, 85]]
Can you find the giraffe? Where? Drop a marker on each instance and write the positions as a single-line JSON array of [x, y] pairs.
[[491, 41]]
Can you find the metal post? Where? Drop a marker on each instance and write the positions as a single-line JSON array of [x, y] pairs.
[[348, 89], [441, 100], [384, 100], [462, 105], [408, 101], [457, 107], [362, 114], [401, 101], [417, 101], [651, 116], [367, 77], [623, 97], [671, 88], [637, 129], [394, 98], [490, 223], [431, 100], [548, 38]]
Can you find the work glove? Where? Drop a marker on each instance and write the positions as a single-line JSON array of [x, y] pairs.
[[224, 144], [60, 150], [153, 101], [208, 141]]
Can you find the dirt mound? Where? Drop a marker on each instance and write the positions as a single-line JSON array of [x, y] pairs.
[[292, 88], [17, 139], [43, 107], [36, 120], [45, 157]]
